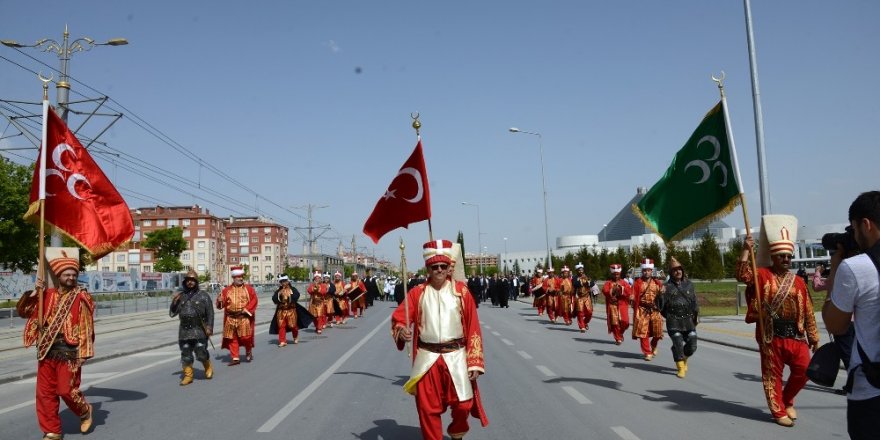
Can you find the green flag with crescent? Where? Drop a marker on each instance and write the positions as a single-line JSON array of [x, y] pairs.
[[701, 185]]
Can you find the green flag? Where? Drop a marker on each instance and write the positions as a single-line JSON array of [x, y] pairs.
[[701, 185]]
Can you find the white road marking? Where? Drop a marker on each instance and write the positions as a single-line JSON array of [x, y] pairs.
[[624, 433], [86, 385], [577, 396], [726, 349], [506, 341], [156, 353], [305, 393], [496, 333], [524, 355], [487, 326], [545, 370]]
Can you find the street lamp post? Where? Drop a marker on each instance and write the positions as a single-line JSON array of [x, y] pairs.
[[604, 233], [544, 188], [479, 235], [64, 50]]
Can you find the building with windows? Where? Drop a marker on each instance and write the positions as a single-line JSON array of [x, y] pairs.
[[257, 243]]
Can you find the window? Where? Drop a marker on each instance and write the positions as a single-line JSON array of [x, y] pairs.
[[105, 268], [201, 268], [148, 268], [255, 230], [255, 239], [148, 257], [255, 258], [267, 239], [184, 256], [267, 258], [120, 268], [137, 236], [233, 239], [148, 223], [201, 244], [201, 233], [105, 259], [255, 249], [233, 250], [233, 259], [267, 229], [173, 222], [160, 222], [267, 248], [120, 258], [186, 222], [200, 222], [186, 233], [201, 256], [268, 269], [134, 258], [243, 250]]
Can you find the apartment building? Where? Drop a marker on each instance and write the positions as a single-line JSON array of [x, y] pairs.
[[258, 243]]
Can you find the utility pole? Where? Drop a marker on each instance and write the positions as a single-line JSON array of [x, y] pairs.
[[310, 239]]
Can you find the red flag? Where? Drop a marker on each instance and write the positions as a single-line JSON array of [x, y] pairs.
[[407, 199], [80, 200]]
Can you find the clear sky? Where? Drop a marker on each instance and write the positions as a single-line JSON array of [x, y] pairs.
[[309, 102]]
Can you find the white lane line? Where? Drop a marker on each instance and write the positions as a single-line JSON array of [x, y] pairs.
[[545, 370], [624, 433], [496, 333], [524, 354], [506, 341], [487, 326], [577, 396], [304, 394], [726, 349], [86, 385], [155, 353]]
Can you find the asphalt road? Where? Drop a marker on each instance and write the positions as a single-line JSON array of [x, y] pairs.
[[543, 381]]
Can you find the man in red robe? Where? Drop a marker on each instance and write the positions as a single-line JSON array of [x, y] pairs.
[[787, 330], [341, 308], [317, 292], [357, 293], [584, 299], [448, 352], [566, 296], [617, 294], [536, 288], [551, 289], [65, 343], [239, 304], [647, 321]]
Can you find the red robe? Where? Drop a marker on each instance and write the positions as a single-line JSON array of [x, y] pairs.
[[647, 321], [240, 327], [472, 334], [617, 306]]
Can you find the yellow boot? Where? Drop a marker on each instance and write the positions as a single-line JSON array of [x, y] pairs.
[[187, 375], [685, 364], [682, 369], [209, 369]]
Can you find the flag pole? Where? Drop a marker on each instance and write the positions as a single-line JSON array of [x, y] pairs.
[[41, 265], [405, 299], [416, 125], [742, 200]]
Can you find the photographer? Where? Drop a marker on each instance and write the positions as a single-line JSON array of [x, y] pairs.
[[855, 296]]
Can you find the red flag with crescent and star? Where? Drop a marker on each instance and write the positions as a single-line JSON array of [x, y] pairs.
[[407, 199], [79, 199]]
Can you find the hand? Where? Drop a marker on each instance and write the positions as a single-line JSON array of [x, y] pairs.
[[814, 346], [40, 285], [405, 334], [209, 332], [749, 243], [473, 375], [176, 297]]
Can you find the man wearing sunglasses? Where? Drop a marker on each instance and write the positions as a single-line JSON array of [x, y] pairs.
[[787, 330], [448, 346]]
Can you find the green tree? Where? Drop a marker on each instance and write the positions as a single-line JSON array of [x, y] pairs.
[[653, 252], [19, 244], [167, 244], [675, 249], [734, 249], [707, 259]]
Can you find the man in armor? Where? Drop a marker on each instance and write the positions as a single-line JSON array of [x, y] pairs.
[[193, 307], [617, 294], [584, 300], [786, 329], [678, 304], [647, 320]]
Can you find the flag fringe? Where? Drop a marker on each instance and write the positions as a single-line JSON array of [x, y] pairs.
[[717, 215]]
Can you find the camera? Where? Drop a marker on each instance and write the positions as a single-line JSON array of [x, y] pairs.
[[847, 239]]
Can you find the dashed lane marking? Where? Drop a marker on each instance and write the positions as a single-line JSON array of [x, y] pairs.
[[496, 333], [545, 370], [524, 354], [577, 396], [624, 433], [506, 341]]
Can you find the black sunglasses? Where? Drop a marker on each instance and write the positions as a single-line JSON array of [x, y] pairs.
[[439, 266]]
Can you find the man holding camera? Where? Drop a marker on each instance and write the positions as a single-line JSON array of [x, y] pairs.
[[855, 296]]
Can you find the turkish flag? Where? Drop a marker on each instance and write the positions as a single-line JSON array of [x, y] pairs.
[[80, 200], [407, 199]]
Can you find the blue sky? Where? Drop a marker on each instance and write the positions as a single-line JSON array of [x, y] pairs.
[[309, 103]]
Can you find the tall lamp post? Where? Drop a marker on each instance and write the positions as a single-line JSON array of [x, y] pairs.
[[479, 235], [544, 188], [64, 50], [604, 233]]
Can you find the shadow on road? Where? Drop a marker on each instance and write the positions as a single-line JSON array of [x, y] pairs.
[[389, 429], [70, 421], [610, 384], [564, 329], [652, 368], [809, 386], [694, 402], [616, 353], [595, 341]]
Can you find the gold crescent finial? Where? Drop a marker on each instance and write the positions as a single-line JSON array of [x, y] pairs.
[[416, 123], [46, 82], [720, 81], [402, 246]]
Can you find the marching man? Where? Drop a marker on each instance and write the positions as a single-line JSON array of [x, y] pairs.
[[239, 304], [647, 321]]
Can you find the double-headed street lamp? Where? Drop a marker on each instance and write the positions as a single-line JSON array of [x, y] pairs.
[[65, 50], [544, 187], [479, 235]]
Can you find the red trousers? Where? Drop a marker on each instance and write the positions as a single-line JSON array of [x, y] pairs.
[[784, 351], [648, 344], [584, 317], [617, 331], [233, 345], [58, 378], [434, 393], [320, 322], [282, 332]]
